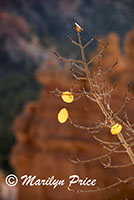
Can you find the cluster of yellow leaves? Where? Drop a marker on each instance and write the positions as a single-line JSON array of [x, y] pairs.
[[63, 113]]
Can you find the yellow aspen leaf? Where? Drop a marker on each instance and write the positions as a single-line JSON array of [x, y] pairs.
[[68, 188], [63, 115], [116, 129], [67, 97]]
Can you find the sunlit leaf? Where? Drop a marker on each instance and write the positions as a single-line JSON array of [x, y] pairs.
[[67, 97], [68, 188], [116, 129], [63, 115], [77, 27]]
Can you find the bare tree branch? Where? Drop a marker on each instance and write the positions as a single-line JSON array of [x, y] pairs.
[[110, 69], [93, 129], [68, 60], [88, 43], [98, 55], [125, 181], [101, 95], [75, 43]]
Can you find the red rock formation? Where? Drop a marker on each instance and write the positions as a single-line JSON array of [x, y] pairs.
[[43, 146]]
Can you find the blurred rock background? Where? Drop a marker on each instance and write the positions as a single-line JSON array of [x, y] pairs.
[[29, 33]]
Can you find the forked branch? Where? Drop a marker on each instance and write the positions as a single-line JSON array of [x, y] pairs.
[[101, 94]]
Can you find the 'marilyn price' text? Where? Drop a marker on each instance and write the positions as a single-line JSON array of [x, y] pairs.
[[53, 182]]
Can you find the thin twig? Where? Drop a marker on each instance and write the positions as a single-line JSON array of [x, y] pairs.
[[125, 181], [75, 43], [68, 60]]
